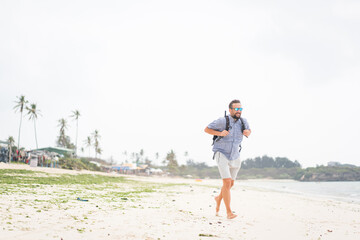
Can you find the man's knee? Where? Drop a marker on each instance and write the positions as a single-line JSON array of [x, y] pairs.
[[232, 183], [227, 183]]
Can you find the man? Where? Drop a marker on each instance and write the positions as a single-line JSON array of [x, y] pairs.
[[226, 151]]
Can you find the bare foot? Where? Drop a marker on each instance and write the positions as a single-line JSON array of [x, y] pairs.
[[231, 216], [218, 202]]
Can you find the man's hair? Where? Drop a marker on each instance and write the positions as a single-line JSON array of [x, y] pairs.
[[233, 101]]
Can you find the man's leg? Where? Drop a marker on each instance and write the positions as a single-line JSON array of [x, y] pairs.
[[228, 182], [220, 197], [227, 197], [233, 170]]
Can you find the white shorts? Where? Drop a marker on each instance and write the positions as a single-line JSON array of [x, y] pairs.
[[227, 168]]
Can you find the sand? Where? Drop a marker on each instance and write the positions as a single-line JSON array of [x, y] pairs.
[[185, 211]]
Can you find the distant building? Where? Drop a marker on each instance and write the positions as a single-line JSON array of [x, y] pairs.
[[4, 142], [337, 164], [133, 168]]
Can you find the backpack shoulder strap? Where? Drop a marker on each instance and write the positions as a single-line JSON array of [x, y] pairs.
[[227, 126], [242, 125], [242, 130]]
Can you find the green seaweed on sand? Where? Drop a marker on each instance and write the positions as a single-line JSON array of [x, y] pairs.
[[66, 188], [9, 176], [206, 235]]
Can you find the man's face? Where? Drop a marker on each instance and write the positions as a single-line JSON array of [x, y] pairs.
[[235, 111]]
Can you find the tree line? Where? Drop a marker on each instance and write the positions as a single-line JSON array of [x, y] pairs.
[[278, 167], [269, 162], [63, 140]]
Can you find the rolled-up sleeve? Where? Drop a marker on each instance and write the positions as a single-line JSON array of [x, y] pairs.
[[246, 124], [218, 124]]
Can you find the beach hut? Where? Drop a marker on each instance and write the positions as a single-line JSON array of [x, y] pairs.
[[156, 171], [121, 169], [143, 169], [59, 150], [4, 142], [47, 157]]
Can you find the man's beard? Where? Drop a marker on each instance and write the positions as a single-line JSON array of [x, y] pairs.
[[236, 117]]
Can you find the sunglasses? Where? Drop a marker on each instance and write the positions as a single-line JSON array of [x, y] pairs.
[[238, 109]]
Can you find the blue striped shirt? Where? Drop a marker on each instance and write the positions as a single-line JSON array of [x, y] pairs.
[[229, 145]]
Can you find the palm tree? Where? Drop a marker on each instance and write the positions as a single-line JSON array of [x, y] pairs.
[[21, 104], [99, 151], [11, 142], [62, 137], [96, 138], [88, 143], [125, 153], [33, 112], [157, 156], [76, 115], [142, 154], [172, 163]]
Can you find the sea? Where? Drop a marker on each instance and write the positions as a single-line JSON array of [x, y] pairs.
[[342, 191]]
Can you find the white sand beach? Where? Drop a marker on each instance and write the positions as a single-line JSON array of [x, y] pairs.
[[185, 211]]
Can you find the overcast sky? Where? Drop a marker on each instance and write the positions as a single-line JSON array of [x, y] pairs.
[[153, 74]]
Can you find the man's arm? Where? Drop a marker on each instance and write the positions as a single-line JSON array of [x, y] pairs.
[[216, 133], [247, 132]]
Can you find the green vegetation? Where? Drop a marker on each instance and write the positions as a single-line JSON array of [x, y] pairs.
[[269, 162], [198, 170], [21, 104], [88, 186], [85, 195], [78, 164], [271, 168], [172, 164], [323, 173], [96, 137], [257, 168], [76, 115], [272, 173], [31, 178], [63, 140], [33, 113]]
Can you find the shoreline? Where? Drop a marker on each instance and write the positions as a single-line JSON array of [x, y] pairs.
[[275, 185]]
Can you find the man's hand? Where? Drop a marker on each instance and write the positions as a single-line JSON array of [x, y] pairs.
[[246, 132], [224, 133], [216, 133]]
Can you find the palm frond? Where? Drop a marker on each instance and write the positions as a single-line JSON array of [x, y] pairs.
[[21, 103], [75, 114]]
